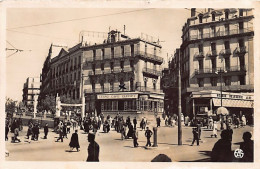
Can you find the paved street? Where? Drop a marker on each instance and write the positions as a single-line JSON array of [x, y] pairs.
[[112, 148]]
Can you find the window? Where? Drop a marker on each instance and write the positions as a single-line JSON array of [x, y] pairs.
[[145, 50], [200, 48], [79, 76], [214, 65], [241, 43], [112, 66], [242, 62], [132, 50], [111, 86], [145, 83], [213, 81], [240, 12], [103, 54], [154, 85], [122, 64], [112, 53], [226, 29], [102, 66], [242, 80], [122, 51], [226, 15], [94, 54], [131, 84], [200, 82], [227, 81], [227, 63], [200, 19], [213, 46], [93, 87], [200, 64], [200, 33], [131, 63], [154, 51], [213, 17], [213, 31], [93, 67], [102, 87], [227, 45], [241, 25]]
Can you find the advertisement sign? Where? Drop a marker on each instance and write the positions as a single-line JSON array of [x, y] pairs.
[[117, 96]]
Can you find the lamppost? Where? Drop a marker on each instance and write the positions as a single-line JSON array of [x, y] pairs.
[[82, 96]]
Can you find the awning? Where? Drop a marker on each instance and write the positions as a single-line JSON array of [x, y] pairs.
[[234, 103]]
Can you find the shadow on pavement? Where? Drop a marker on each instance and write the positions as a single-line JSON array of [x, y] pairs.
[[69, 151], [207, 159]]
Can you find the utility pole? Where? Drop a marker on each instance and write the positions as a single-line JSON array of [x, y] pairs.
[[179, 106]]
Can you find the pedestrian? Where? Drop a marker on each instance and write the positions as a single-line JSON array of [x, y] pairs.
[[93, 149], [243, 120], [74, 141], [221, 151], [186, 120], [60, 131], [142, 123], [158, 120], [130, 130], [36, 132], [6, 132], [166, 121], [64, 128], [16, 135], [195, 136], [230, 132], [30, 133], [135, 122], [46, 130], [123, 131], [68, 126], [248, 148], [211, 123], [148, 135], [199, 128], [215, 129], [135, 137]]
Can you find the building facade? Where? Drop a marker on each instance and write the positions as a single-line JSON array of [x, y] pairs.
[[97, 71], [31, 89], [216, 54], [133, 64]]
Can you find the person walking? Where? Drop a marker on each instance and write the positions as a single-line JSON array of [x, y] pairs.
[[199, 125], [211, 125], [215, 129], [148, 135], [60, 131], [36, 132], [243, 118], [135, 137], [195, 136], [16, 135], [135, 122], [230, 132], [158, 120], [6, 132], [123, 131], [130, 130], [248, 148], [93, 149], [221, 151], [68, 126], [64, 130], [74, 141], [46, 130]]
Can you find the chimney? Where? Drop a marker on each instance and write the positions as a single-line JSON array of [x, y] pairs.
[[193, 12], [119, 36]]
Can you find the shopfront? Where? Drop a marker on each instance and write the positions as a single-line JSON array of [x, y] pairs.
[[236, 103], [130, 102]]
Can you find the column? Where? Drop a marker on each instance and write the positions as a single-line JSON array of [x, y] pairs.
[[210, 104], [193, 107]]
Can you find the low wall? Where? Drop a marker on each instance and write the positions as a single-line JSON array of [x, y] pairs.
[[42, 122]]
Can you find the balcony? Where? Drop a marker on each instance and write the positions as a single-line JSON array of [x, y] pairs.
[[147, 89], [225, 52], [199, 55], [150, 57], [214, 72], [220, 33], [240, 51], [212, 53], [152, 72]]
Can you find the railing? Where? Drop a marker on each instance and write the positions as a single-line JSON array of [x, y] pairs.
[[225, 52], [220, 33], [212, 53], [219, 69], [199, 55], [148, 89], [149, 56], [152, 71]]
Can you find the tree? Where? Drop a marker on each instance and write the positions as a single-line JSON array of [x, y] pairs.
[[10, 107], [48, 104]]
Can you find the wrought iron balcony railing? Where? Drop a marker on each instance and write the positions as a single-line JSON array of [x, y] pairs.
[[199, 55]]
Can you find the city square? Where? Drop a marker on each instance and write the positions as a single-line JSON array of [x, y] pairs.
[[105, 90]]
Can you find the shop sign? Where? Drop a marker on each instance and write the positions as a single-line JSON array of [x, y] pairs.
[[117, 96]]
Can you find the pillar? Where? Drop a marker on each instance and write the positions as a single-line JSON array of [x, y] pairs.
[[193, 107], [155, 137]]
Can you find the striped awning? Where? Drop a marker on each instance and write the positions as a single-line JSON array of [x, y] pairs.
[[234, 103]]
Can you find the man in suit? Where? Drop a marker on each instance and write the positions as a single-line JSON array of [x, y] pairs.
[[46, 130], [148, 135], [93, 149]]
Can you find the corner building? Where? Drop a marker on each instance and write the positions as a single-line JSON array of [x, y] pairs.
[[31, 89], [121, 61], [217, 54]]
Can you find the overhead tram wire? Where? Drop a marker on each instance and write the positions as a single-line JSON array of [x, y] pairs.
[[70, 20]]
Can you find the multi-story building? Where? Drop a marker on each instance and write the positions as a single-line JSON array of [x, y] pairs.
[[170, 85], [132, 63], [31, 89], [217, 54]]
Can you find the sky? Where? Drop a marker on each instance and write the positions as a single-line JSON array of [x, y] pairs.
[[36, 40]]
